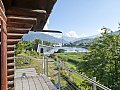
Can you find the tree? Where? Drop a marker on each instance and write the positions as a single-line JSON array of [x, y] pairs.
[[22, 46], [60, 51], [37, 41], [103, 60], [47, 43]]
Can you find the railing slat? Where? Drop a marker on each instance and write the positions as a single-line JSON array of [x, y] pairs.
[[83, 76]]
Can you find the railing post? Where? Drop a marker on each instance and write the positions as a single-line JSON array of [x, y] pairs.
[[94, 86], [43, 65], [59, 75], [47, 66]]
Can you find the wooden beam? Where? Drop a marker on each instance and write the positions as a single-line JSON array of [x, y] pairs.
[[10, 59], [19, 25], [26, 12], [10, 65], [25, 20], [10, 77], [2, 6], [4, 85], [10, 47], [18, 30], [3, 60], [10, 71], [50, 4], [14, 36], [10, 84], [40, 15], [13, 41], [51, 31], [2, 15], [10, 53]]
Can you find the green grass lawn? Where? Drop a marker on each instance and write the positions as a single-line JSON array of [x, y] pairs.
[[72, 60], [32, 63]]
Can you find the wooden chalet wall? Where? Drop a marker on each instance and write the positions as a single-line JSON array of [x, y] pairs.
[[18, 17]]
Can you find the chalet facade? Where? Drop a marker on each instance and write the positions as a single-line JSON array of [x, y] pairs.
[[18, 17]]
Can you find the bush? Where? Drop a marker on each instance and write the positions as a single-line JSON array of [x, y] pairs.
[[60, 51], [22, 61]]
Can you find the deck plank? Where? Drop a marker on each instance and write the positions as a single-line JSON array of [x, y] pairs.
[[27, 71], [28, 79], [31, 83], [18, 83], [25, 84], [44, 84], [38, 84], [48, 82]]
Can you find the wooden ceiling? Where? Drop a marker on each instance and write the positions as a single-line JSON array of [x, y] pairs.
[[30, 4], [39, 9]]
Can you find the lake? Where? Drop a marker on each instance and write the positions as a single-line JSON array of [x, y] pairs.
[[71, 49]]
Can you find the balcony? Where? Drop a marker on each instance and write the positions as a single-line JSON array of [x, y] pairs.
[[28, 79]]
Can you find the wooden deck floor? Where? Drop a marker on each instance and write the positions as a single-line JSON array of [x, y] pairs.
[[27, 79]]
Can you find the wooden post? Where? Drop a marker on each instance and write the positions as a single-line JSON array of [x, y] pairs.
[[4, 84]]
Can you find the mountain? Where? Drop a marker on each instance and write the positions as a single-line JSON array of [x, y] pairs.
[[83, 41], [31, 36], [116, 32], [69, 39], [86, 40], [89, 37]]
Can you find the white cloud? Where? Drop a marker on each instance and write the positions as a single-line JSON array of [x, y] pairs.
[[57, 35], [83, 35], [68, 34], [72, 34]]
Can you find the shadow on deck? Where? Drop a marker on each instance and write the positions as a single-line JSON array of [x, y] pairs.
[[28, 79]]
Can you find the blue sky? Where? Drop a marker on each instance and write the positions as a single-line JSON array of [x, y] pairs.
[[79, 18]]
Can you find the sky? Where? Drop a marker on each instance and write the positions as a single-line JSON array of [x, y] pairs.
[[82, 18]]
